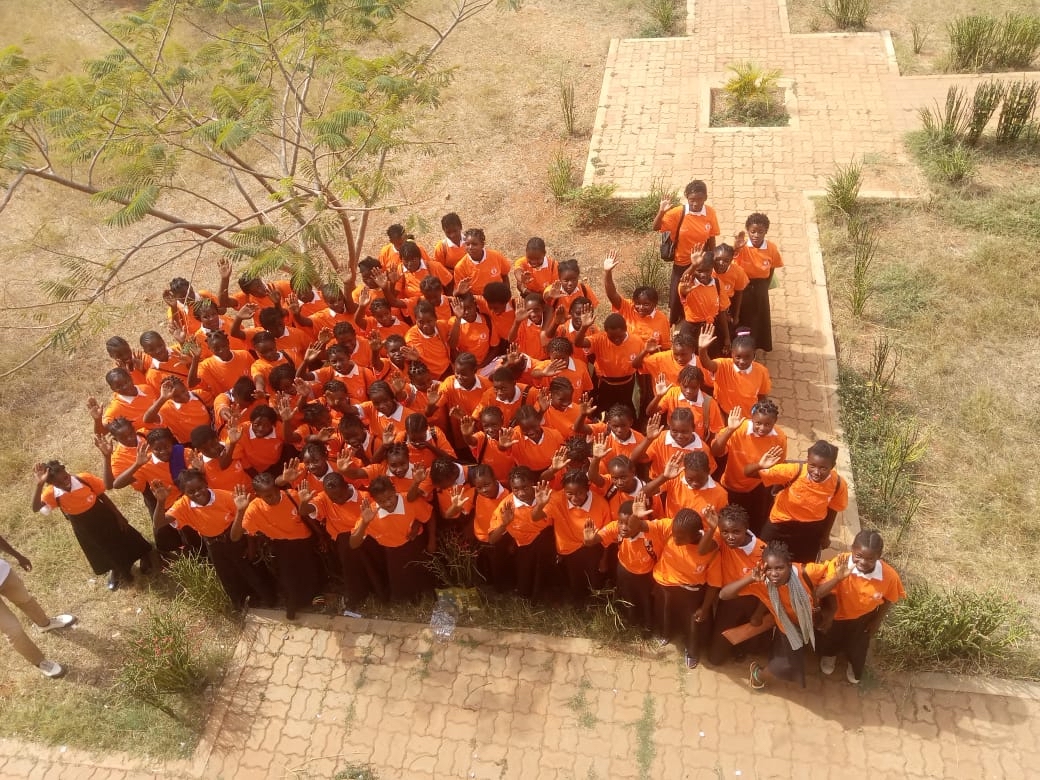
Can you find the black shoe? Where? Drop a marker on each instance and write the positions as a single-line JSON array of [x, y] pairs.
[[145, 564]]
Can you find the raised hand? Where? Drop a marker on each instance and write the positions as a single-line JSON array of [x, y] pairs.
[[292, 471], [544, 399], [379, 276], [653, 344], [368, 512], [458, 497], [654, 427], [389, 434], [611, 261], [711, 519], [696, 256], [759, 572], [303, 388], [241, 497], [364, 297], [843, 565], [40, 473], [345, 459], [325, 335], [555, 290], [641, 506], [419, 473], [456, 307], [600, 448], [248, 311], [144, 453], [196, 461], [736, 418], [284, 406], [665, 204], [467, 425], [411, 354], [555, 367], [589, 531], [104, 445], [674, 467], [706, 336], [433, 393], [739, 241], [167, 388], [506, 438], [770, 458], [588, 316], [542, 493], [94, 408], [585, 405], [305, 493], [661, 384], [508, 512], [464, 285], [234, 432], [224, 267], [375, 343], [560, 459], [160, 490]]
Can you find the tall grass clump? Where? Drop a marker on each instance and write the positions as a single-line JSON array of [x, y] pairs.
[[200, 587], [843, 189], [665, 16], [160, 661], [946, 630], [649, 271], [946, 125], [639, 214], [919, 35], [848, 14], [594, 205], [567, 107], [1016, 113], [865, 242], [980, 42], [562, 176], [984, 103]]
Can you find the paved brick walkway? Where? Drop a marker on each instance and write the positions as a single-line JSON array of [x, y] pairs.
[[307, 700]]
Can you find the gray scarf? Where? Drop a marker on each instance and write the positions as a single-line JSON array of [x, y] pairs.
[[802, 633]]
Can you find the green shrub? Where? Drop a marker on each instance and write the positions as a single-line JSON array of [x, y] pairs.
[[848, 14], [984, 103], [594, 205], [639, 214], [950, 164], [567, 107], [919, 34], [562, 175], [1016, 113], [947, 125], [865, 242], [953, 631], [665, 16], [160, 660], [753, 97], [980, 42], [200, 587], [843, 189]]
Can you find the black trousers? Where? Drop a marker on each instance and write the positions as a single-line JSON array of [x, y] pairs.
[[849, 637], [533, 565], [785, 662], [802, 539], [240, 576], [729, 614], [299, 571], [675, 606], [638, 591], [581, 572], [609, 394], [757, 503]]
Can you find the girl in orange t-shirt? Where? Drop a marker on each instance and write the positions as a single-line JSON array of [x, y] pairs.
[[275, 515], [864, 588], [107, 539], [534, 540], [759, 259]]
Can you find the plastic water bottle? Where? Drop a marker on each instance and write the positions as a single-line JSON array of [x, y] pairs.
[[445, 614]]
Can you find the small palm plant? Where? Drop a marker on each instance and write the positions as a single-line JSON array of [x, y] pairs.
[[754, 95]]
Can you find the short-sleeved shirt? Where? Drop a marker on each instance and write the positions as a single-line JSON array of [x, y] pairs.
[[703, 302], [432, 349], [541, 277], [524, 529], [494, 267], [276, 521], [696, 229], [82, 497], [448, 253], [804, 500], [674, 399], [569, 520], [209, 519], [759, 262], [637, 554], [219, 376], [484, 512], [744, 448], [614, 361], [680, 564], [536, 455], [338, 518], [680, 495], [131, 407], [391, 528], [656, 325], [730, 283], [859, 594], [734, 563], [664, 447], [735, 388], [760, 591]]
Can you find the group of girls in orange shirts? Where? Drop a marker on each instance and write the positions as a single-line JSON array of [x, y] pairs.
[[332, 440]]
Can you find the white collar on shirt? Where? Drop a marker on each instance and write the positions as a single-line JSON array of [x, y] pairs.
[[271, 435], [630, 440], [748, 548], [693, 445], [751, 430], [353, 372], [517, 501], [397, 510], [451, 243], [876, 574], [584, 507], [706, 486], [483, 257], [745, 371], [702, 213], [212, 498], [75, 485]]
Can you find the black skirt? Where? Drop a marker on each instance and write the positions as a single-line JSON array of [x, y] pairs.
[[106, 537], [755, 314]]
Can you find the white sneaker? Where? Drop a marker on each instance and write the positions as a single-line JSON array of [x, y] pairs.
[[51, 669], [827, 663], [850, 675], [59, 621]]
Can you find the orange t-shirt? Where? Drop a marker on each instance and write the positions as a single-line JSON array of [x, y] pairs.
[[529, 340], [703, 302], [376, 421], [509, 408], [500, 323], [637, 554], [664, 447], [614, 361], [577, 371], [523, 529], [474, 337], [408, 284], [225, 479], [210, 519], [338, 518], [743, 449], [734, 388], [859, 594], [488, 452], [262, 367], [562, 420], [219, 376], [645, 327], [391, 529], [183, 418], [453, 393], [679, 564], [758, 263], [81, 498], [432, 349], [493, 268], [277, 521], [760, 591], [664, 362], [328, 319], [804, 501], [694, 232], [679, 495], [581, 291], [542, 276], [569, 521], [448, 253], [733, 281], [132, 408], [390, 256], [536, 455], [484, 512], [357, 381], [734, 563], [617, 446], [260, 453], [675, 399]]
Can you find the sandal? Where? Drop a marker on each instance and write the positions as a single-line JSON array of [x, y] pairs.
[[754, 676]]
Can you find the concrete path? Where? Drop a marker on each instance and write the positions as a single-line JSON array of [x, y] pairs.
[[308, 700]]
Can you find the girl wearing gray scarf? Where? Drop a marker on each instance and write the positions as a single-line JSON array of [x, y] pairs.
[[786, 590]]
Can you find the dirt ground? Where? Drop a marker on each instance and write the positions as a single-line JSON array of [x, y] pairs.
[[503, 123]]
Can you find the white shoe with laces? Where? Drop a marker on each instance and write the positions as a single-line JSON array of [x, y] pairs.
[[827, 663], [59, 621], [851, 675], [51, 669]]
